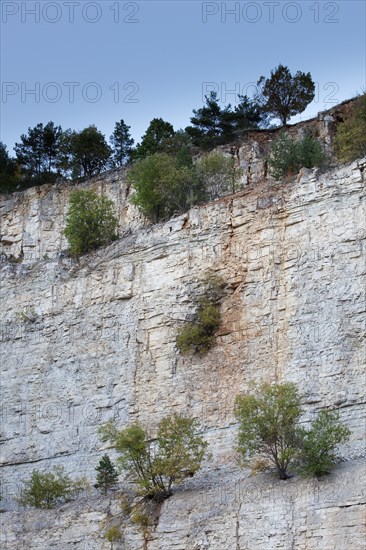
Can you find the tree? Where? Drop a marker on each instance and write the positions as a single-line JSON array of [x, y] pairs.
[[90, 223], [247, 115], [318, 455], [154, 139], [156, 465], [212, 125], [284, 160], [122, 143], [38, 152], [113, 534], [107, 475], [9, 176], [44, 490], [288, 155], [219, 173], [350, 140], [89, 152], [163, 186], [207, 123], [283, 95], [309, 151], [268, 425]]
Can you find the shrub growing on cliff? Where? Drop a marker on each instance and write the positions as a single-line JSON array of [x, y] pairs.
[[219, 174], [46, 489], [268, 425], [318, 456], [288, 155], [350, 141], [156, 465], [164, 186], [113, 534], [269, 429], [198, 335], [90, 223]]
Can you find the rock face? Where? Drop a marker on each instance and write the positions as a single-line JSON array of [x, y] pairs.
[[87, 341]]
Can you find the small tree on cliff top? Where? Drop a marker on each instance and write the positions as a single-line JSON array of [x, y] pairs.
[[284, 95]]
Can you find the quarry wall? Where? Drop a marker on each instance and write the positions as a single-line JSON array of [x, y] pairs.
[[85, 341]]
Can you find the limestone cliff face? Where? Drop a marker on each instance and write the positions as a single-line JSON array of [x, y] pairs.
[[87, 341]]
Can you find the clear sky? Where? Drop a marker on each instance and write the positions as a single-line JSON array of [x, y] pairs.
[[97, 62]]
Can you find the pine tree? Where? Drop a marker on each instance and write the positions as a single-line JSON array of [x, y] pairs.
[[122, 142], [107, 475]]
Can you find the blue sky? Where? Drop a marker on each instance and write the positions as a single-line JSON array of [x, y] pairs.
[[97, 62]]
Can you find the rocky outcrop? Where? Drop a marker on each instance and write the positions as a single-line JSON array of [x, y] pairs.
[[87, 341]]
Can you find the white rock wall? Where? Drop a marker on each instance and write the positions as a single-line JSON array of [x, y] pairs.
[[84, 342]]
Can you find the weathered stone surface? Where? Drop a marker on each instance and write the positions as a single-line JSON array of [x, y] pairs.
[[84, 342]]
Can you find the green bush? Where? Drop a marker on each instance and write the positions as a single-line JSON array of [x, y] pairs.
[[45, 490], [350, 140], [309, 152], [318, 455], [198, 335], [219, 174], [164, 186], [156, 465], [90, 223], [270, 432], [113, 534], [288, 156], [268, 425]]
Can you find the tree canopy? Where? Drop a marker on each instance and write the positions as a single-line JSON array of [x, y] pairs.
[[284, 95], [38, 151], [88, 152], [156, 464], [154, 138], [213, 125], [122, 143]]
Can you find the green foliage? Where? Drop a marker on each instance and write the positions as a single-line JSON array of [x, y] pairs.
[[155, 139], [283, 95], [198, 335], [10, 179], [219, 173], [155, 465], [90, 223], [318, 455], [122, 144], [268, 425], [107, 475], [88, 152], [113, 534], [38, 153], [309, 152], [283, 161], [212, 125], [269, 432], [350, 140], [163, 186], [288, 156], [45, 490]]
